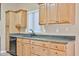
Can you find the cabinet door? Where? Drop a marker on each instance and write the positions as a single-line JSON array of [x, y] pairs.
[[26, 50], [52, 13], [65, 13], [42, 14], [19, 49], [21, 17], [12, 22]]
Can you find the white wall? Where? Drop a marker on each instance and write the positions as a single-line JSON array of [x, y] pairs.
[[11, 6]]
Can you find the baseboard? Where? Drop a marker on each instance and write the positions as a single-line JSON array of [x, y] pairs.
[[3, 51]]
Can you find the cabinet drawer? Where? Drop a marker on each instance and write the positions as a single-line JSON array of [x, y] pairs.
[[19, 40], [40, 51], [35, 49], [40, 43], [26, 40], [53, 52], [58, 46]]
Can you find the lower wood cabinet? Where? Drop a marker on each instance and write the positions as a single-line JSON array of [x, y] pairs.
[[23, 47], [28, 47], [26, 50], [19, 48]]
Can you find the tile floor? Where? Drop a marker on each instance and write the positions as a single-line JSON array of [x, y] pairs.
[[5, 54]]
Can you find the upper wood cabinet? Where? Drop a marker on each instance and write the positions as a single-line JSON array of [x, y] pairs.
[[21, 18], [66, 13], [11, 21], [53, 13], [42, 14], [16, 20]]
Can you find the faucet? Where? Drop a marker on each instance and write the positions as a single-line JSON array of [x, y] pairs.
[[33, 33]]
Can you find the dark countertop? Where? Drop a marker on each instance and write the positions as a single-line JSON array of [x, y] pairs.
[[52, 38]]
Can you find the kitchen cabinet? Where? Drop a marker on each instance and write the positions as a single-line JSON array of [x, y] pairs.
[[42, 14], [53, 13], [16, 22], [23, 47], [10, 21], [29, 47], [21, 18], [26, 47], [62, 49], [19, 47], [66, 13], [26, 50]]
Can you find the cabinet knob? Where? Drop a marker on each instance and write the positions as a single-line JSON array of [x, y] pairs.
[[56, 53], [55, 46], [43, 49], [32, 47]]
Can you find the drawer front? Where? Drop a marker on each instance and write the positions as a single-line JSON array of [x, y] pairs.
[[58, 46], [19, 40], [40, 51], [60, 53], [26, 40], [52, 52], [40, 43], [44, 52], [56, 53], [34, 49]]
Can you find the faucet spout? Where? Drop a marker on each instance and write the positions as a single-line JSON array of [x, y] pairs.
[[33, 33]]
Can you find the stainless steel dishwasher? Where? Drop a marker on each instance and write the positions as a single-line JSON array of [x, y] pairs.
[[12, 46]]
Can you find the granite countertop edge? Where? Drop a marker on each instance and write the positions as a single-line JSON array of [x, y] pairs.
[[59, 40]]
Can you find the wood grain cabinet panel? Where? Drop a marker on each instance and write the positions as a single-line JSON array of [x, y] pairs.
[[58, 46], [21, 18], [42, 14], [58, 13], [23, 47], [53, 52], [40, 51], [26, 47], [66, 13], [26, 50], [19, 49], [40, 43], [52, 13]]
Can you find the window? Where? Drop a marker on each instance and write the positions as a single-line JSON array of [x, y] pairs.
[[33, 21]]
